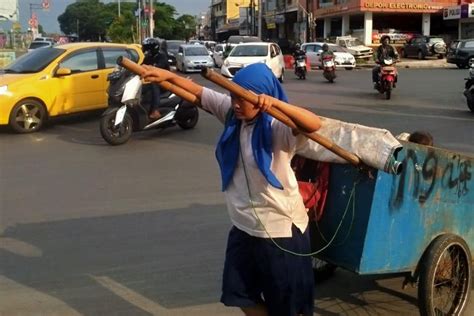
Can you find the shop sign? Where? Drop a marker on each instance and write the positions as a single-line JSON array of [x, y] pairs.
[[452, 13], [279, 19], [402, 6], [271, 26], [458, 12], [470, 10]]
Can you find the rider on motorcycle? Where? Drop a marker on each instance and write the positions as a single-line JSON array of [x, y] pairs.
[[326, 53], [154, 57], [298, 52], [384, 51]]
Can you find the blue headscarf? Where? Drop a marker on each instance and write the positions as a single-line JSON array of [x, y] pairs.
[[259, 79]]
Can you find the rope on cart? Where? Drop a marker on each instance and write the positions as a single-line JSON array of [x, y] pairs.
[[351, 198]]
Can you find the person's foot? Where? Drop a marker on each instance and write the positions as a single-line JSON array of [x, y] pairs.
[[154, 115]]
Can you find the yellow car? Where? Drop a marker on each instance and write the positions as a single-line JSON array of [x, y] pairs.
[[58, 80]]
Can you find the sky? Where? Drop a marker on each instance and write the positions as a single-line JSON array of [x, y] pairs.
[[49, 19]]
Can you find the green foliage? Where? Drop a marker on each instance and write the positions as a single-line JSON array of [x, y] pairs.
[[93, 20], [185, 27]]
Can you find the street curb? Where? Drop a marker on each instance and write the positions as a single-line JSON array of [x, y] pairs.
[[413, 65]]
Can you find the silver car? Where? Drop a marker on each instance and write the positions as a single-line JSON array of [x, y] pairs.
[[193, 58]]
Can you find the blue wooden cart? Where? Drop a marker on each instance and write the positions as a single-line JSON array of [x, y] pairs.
[[419, 222]]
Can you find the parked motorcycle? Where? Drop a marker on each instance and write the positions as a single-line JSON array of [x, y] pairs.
[[329, 68], [387, 78], [469, 89], [300, 67], [129, 106]]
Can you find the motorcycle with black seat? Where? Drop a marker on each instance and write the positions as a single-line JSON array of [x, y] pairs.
[[129, 103]]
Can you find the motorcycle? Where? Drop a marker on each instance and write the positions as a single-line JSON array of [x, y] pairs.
[[469, 89], [129, 105], [329, 68], [300, 66], [387, 78]]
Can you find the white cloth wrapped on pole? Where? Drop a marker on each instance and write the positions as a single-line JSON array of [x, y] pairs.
[[376, 147]]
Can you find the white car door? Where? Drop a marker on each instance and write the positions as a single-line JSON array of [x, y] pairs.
[[218, 52], [275, 60], [313, 54], [179, 58]]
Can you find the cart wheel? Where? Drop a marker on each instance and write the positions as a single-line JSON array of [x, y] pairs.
[[445, 277], [322, 270]]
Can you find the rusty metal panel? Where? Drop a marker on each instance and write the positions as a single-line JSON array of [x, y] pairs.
[[398, 216]]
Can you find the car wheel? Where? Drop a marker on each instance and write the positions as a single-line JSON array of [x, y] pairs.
[[27, 116], [470, 63], [282, 77], [420, 55], [460, 66], [440, 56], [404, 53]]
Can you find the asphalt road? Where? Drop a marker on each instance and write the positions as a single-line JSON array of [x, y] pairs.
[[140, 229]]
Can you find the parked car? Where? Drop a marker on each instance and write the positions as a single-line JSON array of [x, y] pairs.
[[354, 46], [423, 46], [461, 53], [58, 80], [250, 53], [39, 44], [172, 48], [342, 59], [193, 57]]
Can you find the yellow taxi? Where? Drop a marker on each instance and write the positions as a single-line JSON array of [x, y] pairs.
[[63, 79]]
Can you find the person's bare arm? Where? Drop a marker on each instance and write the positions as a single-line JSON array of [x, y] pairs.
[[298, 115], [157, 75]]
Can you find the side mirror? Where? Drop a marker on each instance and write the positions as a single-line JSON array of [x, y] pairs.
[[320, 51], [61, 72], [180, 54]]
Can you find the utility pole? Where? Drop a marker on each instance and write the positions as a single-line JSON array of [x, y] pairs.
[[260, 12], [152, 23], [118, 7]]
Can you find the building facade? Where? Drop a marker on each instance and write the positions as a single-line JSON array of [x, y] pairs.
[[463, 16], [233, 17], [370, 19]]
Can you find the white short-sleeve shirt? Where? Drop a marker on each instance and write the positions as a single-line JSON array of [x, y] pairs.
[[254, 205]]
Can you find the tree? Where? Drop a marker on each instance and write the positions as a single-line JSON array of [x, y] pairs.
[[89, 19], [165, 24], [121, 30], [185, 27]]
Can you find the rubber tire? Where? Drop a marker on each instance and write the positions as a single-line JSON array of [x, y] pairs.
[[282, 77], [427, 270], [460, 66], [108, 119], [404, 53], [322, 270], [19, 129], [470, 62], [440, 56], [420, 55], [388, 91], [470, 105], [190, 123]]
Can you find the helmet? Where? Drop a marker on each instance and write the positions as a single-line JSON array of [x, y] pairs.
[[151, 45], [325, 47], [297, 46]]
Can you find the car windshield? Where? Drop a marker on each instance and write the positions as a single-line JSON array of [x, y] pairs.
[[196, 51], [35, 45], [354, 42], [436, 40], [174, 45], [250, 50], [338, 49], [35, 60]]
